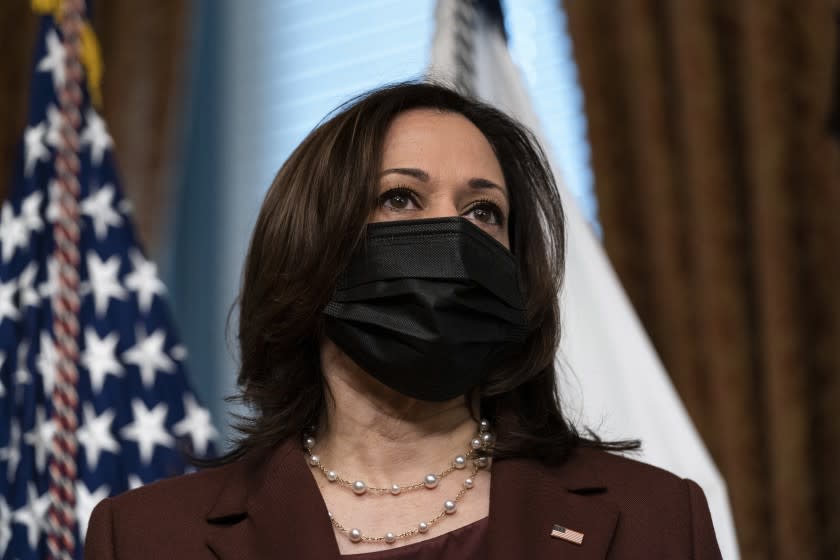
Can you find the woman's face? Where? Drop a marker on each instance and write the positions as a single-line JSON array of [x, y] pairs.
[[437, 164]]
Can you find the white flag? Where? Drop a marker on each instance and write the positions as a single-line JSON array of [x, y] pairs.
[[610, 378]]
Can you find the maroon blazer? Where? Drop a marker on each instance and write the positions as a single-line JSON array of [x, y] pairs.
[[268, 506]]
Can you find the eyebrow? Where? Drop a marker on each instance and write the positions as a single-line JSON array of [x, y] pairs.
[[420, 175]]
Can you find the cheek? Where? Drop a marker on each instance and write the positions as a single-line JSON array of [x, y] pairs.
[[375, 216], [504, 239], [499, 234], [381, 215]]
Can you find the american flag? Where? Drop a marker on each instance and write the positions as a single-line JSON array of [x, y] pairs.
[[566, 534], [134, 409]]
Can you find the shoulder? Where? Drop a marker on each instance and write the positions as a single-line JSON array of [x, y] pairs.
[[624, 482], [621, 474], [159, 514], [649, 501], [187, 493]]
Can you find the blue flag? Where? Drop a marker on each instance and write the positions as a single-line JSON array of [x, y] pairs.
[[136, 413]]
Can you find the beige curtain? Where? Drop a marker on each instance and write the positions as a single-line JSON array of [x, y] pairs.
[[719, 192], [144, 49]]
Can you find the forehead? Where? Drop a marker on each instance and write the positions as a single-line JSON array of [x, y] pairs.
[[438, 139]]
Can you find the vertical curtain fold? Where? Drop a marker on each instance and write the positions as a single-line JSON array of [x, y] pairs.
[[778, 228], [145, 46], [719, 189], [706, 154], [18, 27]]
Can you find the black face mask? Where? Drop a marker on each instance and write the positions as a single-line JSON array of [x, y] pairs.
[[427, 307]]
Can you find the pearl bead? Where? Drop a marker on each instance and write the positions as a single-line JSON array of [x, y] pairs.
[[430, 481], [487, 438], [330, 514], [332, 476], [423, 527], [355, 535], [314, 460], [460, 462], [359, 487], [481, 462], [395, 489], [309, 442], [390, 538], [475, 443], [449, 507], [484, 425], [469, 483]]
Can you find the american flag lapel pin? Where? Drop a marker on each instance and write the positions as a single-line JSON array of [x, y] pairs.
[[560, 532]]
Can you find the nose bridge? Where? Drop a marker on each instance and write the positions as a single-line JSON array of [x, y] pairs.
[[442, 205]]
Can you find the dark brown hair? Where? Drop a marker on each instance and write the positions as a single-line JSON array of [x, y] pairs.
[[311, 221]]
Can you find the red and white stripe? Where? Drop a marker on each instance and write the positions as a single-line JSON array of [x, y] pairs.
[[566, 534]]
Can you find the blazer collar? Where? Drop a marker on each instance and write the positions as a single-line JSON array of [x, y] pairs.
[[528, 498], [265, 510], [265, 507]]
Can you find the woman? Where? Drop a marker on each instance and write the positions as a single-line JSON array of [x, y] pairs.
[[398, 326]]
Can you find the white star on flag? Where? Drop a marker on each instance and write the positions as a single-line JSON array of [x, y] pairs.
[[99, 357], [13, 232], [99, 206], [95, 434], [148, 429], [33, 514], [134, 481], [21, 373], [47, 362], [55, 122], [7, 301], [148, 355], [125, 206], [196, 424], [96, 134], [34, 148], [40, 437], [28, 294], [53, 61], [104, 281], [11, 452], [30, 212], [53, 206], [46, 289], [85, 502], [5, 523], [143, 280], [179, 352]]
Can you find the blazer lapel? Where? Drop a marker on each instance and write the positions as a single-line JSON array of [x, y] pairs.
[[528, 499], [270, 507]]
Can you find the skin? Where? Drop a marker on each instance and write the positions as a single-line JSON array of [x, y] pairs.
[[373, 432]]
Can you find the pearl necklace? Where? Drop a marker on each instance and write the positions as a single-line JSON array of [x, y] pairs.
[[482, 442]]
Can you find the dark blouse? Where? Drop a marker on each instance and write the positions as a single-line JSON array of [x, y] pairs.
[[464, 542]]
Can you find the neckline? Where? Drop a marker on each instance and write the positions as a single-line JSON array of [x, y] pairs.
[[313, 485], [476, 525]]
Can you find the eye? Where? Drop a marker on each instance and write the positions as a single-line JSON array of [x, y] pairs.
[[486, 212], [399, 198]]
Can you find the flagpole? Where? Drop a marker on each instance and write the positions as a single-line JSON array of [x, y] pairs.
[[61, 539], [464, 48]]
